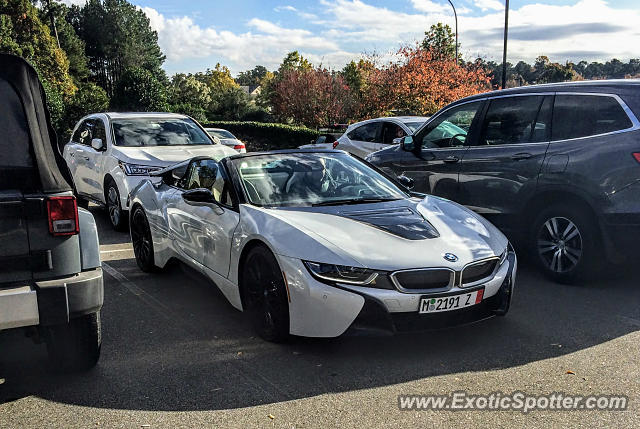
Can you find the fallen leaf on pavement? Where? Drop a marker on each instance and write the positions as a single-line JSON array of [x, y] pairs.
[[570, 372]]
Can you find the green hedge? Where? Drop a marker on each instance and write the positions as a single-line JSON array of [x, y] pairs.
[[259, 136]]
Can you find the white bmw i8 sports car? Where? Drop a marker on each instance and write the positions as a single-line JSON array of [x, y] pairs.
[[313, 243]]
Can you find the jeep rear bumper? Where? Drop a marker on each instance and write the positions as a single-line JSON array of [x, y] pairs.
[[51, 302]]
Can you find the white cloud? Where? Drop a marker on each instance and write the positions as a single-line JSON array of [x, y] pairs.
[[301, 14], [489, 4], [586, 29], [267, 43]]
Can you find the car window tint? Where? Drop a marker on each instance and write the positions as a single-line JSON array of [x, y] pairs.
[[83, 133], [391, 131], [511, 120], [576, 116], [365, 133], [99, 131], [209, 174], [450, 128]]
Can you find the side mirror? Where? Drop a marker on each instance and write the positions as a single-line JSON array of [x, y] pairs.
[[199, 195], [406, 143], [405, 181], [97, 144]]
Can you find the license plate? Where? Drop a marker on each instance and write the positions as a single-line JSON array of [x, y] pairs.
[[451, 302]]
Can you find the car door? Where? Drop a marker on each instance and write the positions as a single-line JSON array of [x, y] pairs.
[[439, 147], [219, 220], [501, 169], [94, 160], [186, 229], [80, 160], [364, 139]]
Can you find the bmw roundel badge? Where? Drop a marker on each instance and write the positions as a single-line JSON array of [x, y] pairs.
[[450, 257]]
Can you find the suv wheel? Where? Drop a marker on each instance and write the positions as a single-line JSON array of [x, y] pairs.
[[142, 240], [75, 346], [266, 295], [565, 241], [117, 216]]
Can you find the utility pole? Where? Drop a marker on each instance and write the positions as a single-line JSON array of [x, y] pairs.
[[456, 16], [504, 52]]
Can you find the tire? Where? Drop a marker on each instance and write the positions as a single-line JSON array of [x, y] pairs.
[[142, 241], [265, 295], [564, 242], [117, 216], [75, 346]]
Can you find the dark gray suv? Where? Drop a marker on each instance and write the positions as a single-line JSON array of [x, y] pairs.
[[556, 165]]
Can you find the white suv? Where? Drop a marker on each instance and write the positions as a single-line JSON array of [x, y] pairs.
[[363, 138], [110, 153]]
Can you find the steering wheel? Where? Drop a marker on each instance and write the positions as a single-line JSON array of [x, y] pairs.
[[455, 137]]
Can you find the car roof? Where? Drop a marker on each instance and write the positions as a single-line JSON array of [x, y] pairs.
[[615, 86], [402, 119], [120, 115]]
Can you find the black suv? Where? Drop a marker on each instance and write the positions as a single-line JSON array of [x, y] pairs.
[[556, 165]]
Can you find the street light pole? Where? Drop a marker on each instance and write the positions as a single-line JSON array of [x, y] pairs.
[[456, 16], [504, 52]]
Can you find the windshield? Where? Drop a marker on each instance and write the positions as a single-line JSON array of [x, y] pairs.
[[414, 125], [223, 134], [137, 132], [310, 179]]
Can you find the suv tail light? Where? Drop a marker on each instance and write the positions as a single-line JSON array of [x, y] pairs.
[[63, 215], [239, 146], [335, 144], [636, 155]]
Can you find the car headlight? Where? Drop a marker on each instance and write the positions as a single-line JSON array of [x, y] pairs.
[[136, 169], [341, 273], [504, 255]]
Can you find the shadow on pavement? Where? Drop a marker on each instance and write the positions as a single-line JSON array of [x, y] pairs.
[[171, 342]]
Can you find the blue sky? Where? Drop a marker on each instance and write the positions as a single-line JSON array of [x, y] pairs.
[[198, 34]]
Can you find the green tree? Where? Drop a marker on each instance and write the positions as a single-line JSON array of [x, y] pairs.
[[252, 77], [70, 43], [23, 33], [441, 40], [189, 96], [89, 98], [139, 90], [294, 61], [118, 38]]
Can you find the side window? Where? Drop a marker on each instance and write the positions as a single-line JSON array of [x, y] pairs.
[[391, 131], [365, 133], [511, 120], [99, 132], [450, 128], [83, 133], [576, 116], [209, 174]]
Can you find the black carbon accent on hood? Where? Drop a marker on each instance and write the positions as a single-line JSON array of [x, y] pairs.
[[402, 221]]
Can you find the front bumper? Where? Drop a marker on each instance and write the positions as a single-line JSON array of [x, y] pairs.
[[51, 302], [320, 310]]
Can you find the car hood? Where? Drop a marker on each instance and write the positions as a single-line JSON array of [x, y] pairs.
[[163, 156], [402, 234]]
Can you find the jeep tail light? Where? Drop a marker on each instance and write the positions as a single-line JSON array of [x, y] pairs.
[[335, 144], [636, 155], [63, 215], [239, 146]]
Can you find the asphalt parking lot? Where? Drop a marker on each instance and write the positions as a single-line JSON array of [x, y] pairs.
[[176, 354]]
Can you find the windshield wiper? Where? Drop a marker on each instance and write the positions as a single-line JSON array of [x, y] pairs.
[[354, 201]]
